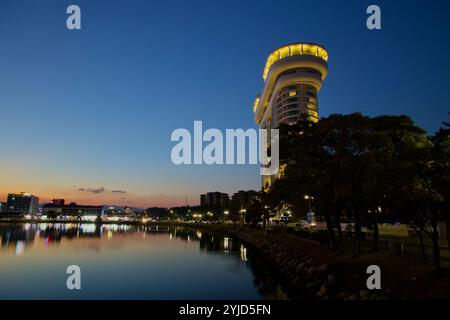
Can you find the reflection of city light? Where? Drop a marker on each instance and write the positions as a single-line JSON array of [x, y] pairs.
[[243, 253], [199, 234], [170, 237], [226, 243], [117, 227], [20, 248], [88, 227], [110, 234]]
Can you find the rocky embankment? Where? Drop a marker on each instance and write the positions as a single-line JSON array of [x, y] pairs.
[[302, 276]]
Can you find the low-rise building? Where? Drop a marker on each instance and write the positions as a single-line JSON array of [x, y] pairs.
[[21, 204], [59, 208]]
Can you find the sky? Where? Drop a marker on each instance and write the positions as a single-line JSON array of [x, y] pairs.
[[87, 115]]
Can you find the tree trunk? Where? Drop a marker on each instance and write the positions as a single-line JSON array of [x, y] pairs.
[[356, 215], [339, 229], [422, 246], [357, 233], [376, 232], [447, 231], [330, 230], [436, 249]]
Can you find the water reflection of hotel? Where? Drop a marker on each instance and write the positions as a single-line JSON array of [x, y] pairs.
[[21, 235]]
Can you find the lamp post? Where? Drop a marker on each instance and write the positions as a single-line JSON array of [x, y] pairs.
[[226, 213], [242, 212], [309, 198]]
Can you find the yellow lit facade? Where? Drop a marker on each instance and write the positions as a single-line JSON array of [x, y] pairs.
[[293, 76], [255, 105], [293, 50]]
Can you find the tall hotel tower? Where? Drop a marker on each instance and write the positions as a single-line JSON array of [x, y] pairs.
[[292, 77]]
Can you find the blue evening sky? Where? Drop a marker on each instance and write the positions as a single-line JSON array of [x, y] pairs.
[[96, 107]]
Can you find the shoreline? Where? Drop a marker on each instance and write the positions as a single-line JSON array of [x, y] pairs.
[[309, 271]]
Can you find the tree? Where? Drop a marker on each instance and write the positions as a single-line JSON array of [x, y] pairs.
[[52, 214], [365, 166]]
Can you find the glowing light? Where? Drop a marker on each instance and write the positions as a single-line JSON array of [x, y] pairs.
[[243, 251], [87, 227], [255, 104], [293, 50], [89, 218], [226, 243], [20, 248]]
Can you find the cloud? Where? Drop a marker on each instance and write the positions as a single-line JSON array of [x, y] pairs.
[[96, 191], [118, 191], [101, 190]]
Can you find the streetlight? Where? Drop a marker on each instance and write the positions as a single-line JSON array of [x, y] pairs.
[[242, 212], [225, 213], [309, 198]]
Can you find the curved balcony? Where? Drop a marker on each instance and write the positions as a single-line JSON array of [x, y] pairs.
[[294, 49]]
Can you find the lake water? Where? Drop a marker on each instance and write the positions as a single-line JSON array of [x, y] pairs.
[[128, 262]]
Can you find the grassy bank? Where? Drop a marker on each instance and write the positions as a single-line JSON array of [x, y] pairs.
[[310, 270]]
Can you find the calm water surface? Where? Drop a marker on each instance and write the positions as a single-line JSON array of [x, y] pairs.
[[128, 262]]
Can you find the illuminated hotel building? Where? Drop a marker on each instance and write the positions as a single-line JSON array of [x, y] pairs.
[[293, 76]]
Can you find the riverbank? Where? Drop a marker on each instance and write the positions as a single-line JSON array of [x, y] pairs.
[[309, 270], [304, 272]]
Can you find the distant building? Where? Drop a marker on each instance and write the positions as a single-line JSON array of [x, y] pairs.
[[2, 207], [58, 207], [59, 202], [21, 203], [214, 199], [113, 211], [203, 200], [243, 199]]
